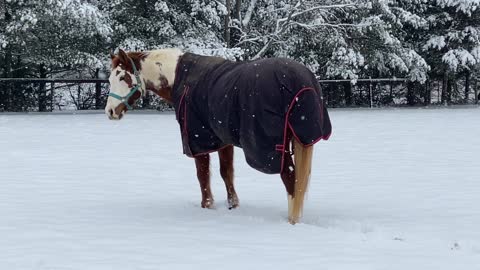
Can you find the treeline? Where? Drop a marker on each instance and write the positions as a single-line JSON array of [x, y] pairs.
[[434, 44]]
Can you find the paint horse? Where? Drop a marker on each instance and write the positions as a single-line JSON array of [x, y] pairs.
[[271, 108]]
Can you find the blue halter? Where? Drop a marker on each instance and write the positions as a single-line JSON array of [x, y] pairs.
[[134, 89]]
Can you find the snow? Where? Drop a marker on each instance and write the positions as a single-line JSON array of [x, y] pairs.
[[435, 42], [391, 189], [454, 58], [345, 63], [465, 6], [162, 7]]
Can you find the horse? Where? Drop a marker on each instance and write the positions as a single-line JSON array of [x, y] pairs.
[[272, 108]]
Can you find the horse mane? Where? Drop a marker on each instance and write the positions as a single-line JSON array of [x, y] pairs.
[[137, 55]]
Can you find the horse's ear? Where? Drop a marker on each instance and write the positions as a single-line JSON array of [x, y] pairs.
[[123, 56]]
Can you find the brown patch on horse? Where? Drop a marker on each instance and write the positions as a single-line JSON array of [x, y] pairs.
[[131, 101], [164, 92], [163, 81], [128, 79], [134, 98], [120, 108]]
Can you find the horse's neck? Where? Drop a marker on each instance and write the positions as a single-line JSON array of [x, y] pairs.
[[158, 71]]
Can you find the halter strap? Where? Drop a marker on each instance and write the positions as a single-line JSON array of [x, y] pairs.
[[134, 89]]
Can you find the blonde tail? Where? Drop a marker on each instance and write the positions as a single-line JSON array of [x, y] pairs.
[[303, 167]]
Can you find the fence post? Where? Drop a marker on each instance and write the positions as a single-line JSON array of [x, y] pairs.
[[98, 91], [8, 100], [146, 101], [371, 93], [42, 90], [347, 90], [52, 96], [439, 98], [390, 94], [477, 95], [354, 89], [428, 93], [467, 86]]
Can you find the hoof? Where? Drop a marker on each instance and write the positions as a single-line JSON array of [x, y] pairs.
[[292, 220], [209, 204], [233, 202], [233, 206], [293, 217]]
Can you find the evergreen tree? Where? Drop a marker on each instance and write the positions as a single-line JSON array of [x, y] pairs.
[[43, 40]]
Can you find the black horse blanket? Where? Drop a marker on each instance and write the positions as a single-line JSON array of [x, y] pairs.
[[252, 105]]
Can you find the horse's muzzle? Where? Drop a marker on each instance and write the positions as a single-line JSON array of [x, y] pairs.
[[117, 113]]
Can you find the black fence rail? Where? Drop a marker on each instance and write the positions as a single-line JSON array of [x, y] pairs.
[[47, 80], [27, 94]]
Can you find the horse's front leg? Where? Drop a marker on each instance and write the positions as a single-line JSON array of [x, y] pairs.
[[202, 163], [226, 170]]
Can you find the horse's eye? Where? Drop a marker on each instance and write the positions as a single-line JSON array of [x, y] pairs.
[[122, 78]]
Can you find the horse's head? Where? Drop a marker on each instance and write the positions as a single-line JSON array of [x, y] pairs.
[[133, 73], [125, 85]]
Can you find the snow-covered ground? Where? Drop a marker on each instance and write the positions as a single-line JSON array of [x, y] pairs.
[[391, 189]]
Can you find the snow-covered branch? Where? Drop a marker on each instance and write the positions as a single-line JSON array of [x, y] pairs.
[[321, 7], [282, 24], [333, 25]]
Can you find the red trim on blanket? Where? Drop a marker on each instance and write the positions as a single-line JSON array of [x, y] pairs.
[[325, 137], [181, 101], [185, 112], [184, 129], [288, 125]]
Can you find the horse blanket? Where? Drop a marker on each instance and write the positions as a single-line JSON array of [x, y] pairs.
[[252, 105]]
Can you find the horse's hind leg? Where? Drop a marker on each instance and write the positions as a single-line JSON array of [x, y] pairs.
[[303, 168], [202, 163], [296, 177], [226, 170]]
